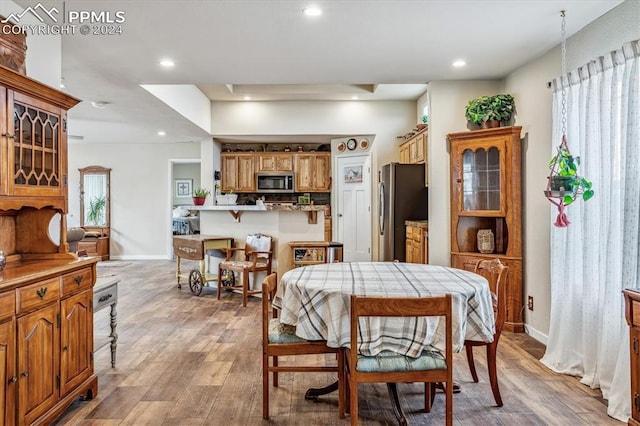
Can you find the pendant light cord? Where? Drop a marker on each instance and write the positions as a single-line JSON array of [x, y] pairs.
[[564, 72]]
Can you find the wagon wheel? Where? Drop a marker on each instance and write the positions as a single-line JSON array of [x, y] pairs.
[[228, 278], [196, 282]]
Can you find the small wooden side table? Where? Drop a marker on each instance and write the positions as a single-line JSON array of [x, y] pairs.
[[105, 293]]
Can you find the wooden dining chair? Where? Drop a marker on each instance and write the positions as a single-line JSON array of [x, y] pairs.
[[430, 367], [258, 252], [496, 272], [281, 340]]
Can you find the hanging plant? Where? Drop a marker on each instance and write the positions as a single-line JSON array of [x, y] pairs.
[[565, 185]]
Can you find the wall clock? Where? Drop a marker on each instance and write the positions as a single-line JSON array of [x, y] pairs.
[[351, 144]]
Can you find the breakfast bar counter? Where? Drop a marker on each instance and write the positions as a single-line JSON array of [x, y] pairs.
[[283, 222]]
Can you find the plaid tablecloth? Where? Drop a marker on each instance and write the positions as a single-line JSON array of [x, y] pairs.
[[316, 300]]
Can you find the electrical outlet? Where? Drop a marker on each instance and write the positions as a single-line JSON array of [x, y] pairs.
[[530, 303]]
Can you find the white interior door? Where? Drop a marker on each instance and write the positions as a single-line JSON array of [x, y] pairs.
[[353, 207]]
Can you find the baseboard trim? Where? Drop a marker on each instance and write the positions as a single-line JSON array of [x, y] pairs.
[[140, 257], [536, 334]]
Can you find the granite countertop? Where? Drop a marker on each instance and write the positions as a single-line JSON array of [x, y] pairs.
[[417, 223], [263, 208]]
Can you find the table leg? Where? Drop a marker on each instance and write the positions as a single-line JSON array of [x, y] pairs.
[[178, 271], [314, 393], [114, 335], [395, 403]]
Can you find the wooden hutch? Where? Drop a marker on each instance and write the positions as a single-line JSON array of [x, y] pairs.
[[46, 314], [486, 193], [632, 313]]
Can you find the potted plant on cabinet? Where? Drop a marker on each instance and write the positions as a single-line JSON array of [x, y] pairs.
[[490, 111], [200, 195]]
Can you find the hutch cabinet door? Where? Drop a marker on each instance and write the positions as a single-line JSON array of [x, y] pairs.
[[38, 362], [480, 176], [37, 148], [8, 372], [76, 341]]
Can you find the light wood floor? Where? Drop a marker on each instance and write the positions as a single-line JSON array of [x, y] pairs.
[[187, 360]]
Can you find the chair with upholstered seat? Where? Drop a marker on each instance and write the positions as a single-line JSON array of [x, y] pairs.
[[496, 273], [258, 251], [430, 366], [281, 340]]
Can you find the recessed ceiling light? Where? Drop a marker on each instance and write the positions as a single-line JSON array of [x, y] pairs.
[[247, 98], [459, 63], [312, 11], [354, 97], [167, 63], [161, 133]]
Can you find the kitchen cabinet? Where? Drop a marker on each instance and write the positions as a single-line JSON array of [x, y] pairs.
[[414, 149], [486, 193], [313, 172], [632, 314], [417, 241], [274, 162], [238, 172]]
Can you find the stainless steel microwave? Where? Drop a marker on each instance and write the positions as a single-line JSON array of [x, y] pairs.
[[274, 182]]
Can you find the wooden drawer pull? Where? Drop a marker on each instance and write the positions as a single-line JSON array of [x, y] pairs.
[[105, 297], [78, 279], [41, 292]]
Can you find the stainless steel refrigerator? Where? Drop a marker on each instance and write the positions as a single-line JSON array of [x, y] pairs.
[[402, 196]]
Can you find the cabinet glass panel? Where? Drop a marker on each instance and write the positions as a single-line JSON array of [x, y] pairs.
[[36, 147], [481, 179]]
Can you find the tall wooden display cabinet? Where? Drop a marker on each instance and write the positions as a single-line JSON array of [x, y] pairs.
[[486, 193]]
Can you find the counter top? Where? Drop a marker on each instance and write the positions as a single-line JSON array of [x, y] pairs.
[[417, 223], [263, 208]]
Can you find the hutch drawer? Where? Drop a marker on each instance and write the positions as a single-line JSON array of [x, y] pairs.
[[37, 295]]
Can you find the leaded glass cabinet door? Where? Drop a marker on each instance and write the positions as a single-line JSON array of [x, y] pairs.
[[480, 176], [37, 147]]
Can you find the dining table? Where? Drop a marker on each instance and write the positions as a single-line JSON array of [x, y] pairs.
[[315, 299]]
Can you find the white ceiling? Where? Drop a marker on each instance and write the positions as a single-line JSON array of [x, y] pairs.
[[269, 50]]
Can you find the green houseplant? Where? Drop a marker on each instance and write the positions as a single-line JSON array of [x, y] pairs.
[[490, 111], [565, 179], [200, 195], [95, 215]]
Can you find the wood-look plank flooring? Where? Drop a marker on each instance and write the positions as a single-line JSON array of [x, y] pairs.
[[187, 360]]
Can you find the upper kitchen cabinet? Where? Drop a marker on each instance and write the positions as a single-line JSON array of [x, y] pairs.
[[274, 162], [414, 149], [238, 172], [313, 172], [33, 143], [486, 194]]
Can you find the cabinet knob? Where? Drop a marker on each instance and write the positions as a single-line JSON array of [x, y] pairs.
[[25, 373], [7, 135], [13, 379], [78, 279], [65, 348], [635, 345]]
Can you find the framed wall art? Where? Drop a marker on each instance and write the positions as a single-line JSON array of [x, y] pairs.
[[183, 188]]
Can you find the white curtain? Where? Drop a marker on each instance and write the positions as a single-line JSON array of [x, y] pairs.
[[596, 257]]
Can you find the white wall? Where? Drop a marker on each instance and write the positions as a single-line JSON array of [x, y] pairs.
[[186, 99], [447, 100], [140, 182]]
